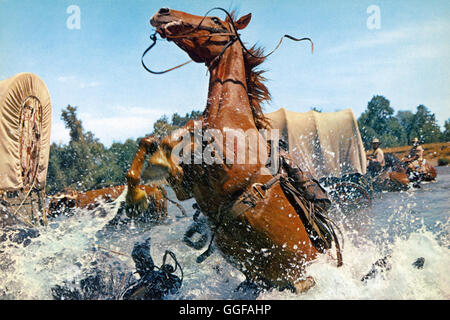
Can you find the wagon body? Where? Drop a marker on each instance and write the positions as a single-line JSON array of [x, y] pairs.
[[25, 124], [329, 146], [325, 144]]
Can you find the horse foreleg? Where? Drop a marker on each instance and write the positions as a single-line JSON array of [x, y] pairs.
[[162, 202], [135, 195]]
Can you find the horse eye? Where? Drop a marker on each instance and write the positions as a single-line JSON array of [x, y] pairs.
[[216, 20]]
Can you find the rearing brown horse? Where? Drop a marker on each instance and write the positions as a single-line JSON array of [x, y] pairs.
[[267, 241]]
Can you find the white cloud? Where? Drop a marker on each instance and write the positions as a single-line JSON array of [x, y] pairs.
[[89, 84], [66, 79], [74, 81]]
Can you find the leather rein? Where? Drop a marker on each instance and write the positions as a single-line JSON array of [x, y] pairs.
[[234, 36]]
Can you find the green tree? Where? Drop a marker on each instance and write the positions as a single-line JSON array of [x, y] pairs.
[[123, 154], [179, 121], [406, 119], [446, 133], [378, 121], [162, 127], [85, 163], [71, 122], [425, 126], [394, 134], [55, 175]]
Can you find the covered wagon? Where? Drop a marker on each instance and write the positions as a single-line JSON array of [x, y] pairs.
[[329, 146], [25, 123], [324, 143]]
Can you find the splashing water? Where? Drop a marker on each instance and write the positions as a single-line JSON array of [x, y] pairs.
[[400, 227]]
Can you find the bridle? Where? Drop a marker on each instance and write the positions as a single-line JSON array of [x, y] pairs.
[[234, 36]]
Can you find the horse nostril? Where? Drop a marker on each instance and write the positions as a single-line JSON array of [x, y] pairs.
[[164, 11]]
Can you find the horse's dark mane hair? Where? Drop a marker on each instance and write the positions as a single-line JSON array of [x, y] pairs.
[[256, 89]]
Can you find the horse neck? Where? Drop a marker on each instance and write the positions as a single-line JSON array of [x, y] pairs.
[[228, 104]]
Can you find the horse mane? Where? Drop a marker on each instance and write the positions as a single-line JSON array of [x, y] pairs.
[[256, 89]]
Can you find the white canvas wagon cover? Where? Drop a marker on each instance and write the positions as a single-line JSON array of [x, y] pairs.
[[25, 123], [323, 143]]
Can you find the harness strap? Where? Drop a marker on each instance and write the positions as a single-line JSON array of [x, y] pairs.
[[315, 218], [246, 201], [219, 56], [272, 181]]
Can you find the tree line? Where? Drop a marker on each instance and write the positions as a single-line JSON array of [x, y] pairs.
[[379, 121], [85, 163]]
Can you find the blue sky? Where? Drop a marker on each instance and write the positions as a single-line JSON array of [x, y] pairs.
[[97, 67]]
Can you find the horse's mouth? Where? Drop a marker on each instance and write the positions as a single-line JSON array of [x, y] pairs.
[[167, 28]]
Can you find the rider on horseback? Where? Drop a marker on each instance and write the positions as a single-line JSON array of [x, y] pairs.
[[415, 158], [376, 158]]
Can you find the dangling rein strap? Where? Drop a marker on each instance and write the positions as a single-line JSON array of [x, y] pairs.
[[153, 38]]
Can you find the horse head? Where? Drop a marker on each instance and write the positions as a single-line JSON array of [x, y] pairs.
[[203, 38], [160, 167]]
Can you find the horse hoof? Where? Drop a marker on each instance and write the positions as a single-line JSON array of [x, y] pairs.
[[137, 202], [304, 285], [136, 196]]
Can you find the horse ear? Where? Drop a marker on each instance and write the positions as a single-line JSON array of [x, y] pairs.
[[243, 21]]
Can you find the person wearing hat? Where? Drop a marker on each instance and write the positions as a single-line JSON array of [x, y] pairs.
[[376, 158], [415, 159]]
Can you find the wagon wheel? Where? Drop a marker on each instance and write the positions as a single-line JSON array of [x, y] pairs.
[[350, 196], [29, 143], [366, 183]]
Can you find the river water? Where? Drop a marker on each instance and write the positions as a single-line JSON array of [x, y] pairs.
[[400, 227]]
